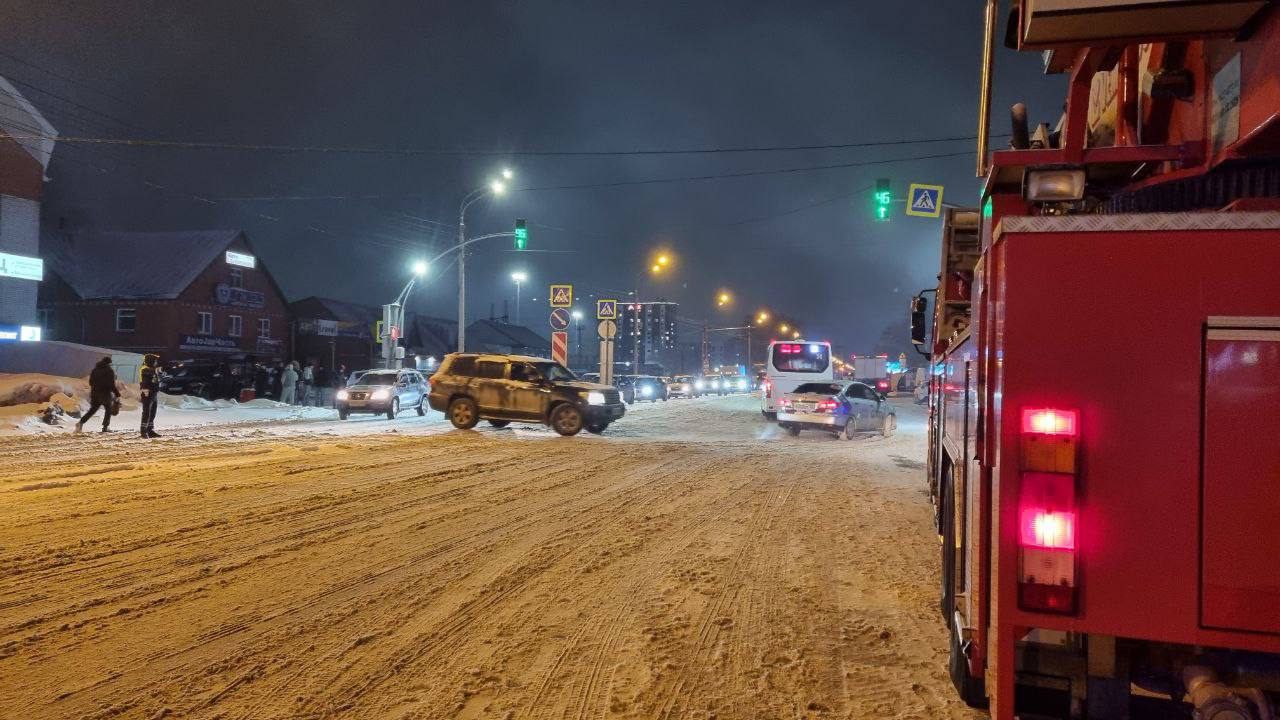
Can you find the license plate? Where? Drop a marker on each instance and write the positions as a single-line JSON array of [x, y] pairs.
[[806, 406]]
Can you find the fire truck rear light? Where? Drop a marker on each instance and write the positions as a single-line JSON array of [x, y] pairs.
[[1047, 421], [1047, 598], [1044, 529]]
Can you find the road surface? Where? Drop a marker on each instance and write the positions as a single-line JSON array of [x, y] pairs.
[[692, 563]]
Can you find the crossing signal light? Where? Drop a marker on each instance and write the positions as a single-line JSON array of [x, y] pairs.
[[521, 234], [884, 199]]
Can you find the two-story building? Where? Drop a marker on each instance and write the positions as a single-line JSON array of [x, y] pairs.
[[26, 143], [196, 294]]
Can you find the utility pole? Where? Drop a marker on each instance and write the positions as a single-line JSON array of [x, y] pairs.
[[462, 277], [706, 351]]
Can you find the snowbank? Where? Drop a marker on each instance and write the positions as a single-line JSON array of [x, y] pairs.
[[25, 398]]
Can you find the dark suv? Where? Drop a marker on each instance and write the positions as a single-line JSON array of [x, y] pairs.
[[471, 387], [210, 380]]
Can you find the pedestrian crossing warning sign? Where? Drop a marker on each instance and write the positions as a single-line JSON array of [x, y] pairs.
[[561, 296], [606, 309], [924, 200]]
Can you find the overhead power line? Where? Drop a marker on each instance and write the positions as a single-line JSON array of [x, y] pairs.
[[413, 152]]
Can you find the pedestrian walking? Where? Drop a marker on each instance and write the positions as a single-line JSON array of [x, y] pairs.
[[289, 383], [149, 386], [308, 383], [102, 394]]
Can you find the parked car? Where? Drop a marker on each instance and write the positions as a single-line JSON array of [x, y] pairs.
[[502, 389], [648, 387], [838, 408], [686, 386], [383, 392], [211, 380]]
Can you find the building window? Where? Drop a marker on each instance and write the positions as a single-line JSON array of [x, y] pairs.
[[264, 328], [237, 278], [126, 320], [46, 319], [206, 323], [237, 326]]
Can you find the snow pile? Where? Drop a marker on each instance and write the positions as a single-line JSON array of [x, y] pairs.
[[33, 388]]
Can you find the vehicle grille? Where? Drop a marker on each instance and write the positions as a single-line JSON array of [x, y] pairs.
[[612, 397]]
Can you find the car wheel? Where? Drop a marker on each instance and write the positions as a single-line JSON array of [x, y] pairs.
[[890, 424], [462, 413], [597, 428], [499, 423], [794, 430], [394, 409], [343, 414], [849, 430], [422, 407], [566, 420], [770, 416]]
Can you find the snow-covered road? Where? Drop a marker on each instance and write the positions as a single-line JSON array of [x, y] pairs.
[[692, 563]]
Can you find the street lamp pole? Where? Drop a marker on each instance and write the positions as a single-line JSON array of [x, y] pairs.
[[495, 188], [518, 277]]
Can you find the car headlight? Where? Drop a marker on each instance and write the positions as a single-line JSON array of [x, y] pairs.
[[646, 391], [742, 384], [342, 395], [595, 398], [715, 384], [381, 394], [698, 385]]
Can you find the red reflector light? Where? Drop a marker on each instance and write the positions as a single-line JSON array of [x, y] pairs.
[[1047, 421], [828, 405]]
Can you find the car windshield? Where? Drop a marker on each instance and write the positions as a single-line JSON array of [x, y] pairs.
[[555, 372], [819, 389], [378, 379]]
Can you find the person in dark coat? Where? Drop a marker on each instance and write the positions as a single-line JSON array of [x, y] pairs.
[[102, 394], [149, 386]]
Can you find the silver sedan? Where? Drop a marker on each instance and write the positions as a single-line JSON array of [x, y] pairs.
[[838, 408]]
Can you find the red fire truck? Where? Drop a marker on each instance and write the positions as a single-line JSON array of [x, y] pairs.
[[1105, 373]]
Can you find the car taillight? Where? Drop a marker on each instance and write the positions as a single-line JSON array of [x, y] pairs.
[[828, 405], [768, 389], [784, 402], [1047, 514], [882, 384]]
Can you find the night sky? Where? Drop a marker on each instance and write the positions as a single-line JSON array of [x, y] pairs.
[[498, 78]]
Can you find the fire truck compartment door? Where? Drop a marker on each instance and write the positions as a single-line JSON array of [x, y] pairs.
[[1240, 535]]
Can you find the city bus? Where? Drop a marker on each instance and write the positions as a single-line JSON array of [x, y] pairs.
[[790, 364]]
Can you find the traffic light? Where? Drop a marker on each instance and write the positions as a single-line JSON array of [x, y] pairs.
[[521, 234], [884, 198]]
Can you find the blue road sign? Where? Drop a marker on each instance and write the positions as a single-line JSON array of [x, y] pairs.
[[606, 309], [559, 319], [924, 200]]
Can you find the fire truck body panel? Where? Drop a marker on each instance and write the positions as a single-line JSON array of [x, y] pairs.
[[1165, 289]]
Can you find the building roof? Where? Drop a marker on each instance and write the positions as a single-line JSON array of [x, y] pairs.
[[21, 120], [140, 265], [492, 334], [423, 333]]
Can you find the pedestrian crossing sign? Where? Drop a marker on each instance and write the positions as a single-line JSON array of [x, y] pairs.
[[924, 200], [561, 296], [606, 309]]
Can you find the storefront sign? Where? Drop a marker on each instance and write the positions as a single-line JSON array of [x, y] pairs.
[[224, 294], [21, 267], [241, 259], [268, 345], [210, 343], [19, 333]]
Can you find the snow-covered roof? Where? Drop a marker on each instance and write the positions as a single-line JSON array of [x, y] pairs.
[[153, 265], [21, 120]]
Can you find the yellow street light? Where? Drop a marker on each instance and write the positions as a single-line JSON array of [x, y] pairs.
[[724, 298], [784, 328], [795, 335], [664, 260], [762, 318]]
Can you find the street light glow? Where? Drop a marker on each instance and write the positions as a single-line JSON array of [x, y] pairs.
[[420, 268], [519, 276], [724, 298], [763, 317], [664, 260], [656, 268], [507, 174], [498, 187], [577, 314], [784, 328]]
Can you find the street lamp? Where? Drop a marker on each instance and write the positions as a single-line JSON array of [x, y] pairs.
[[519, 277], [659, 264], [762, 318], [495, 187], [393, 317], [784, 328], [724, 298]]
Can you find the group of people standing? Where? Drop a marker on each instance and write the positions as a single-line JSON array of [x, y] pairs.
[[293, 384]]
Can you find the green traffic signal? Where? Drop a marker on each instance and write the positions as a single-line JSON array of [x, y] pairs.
[[521, 234], [883, 199]]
